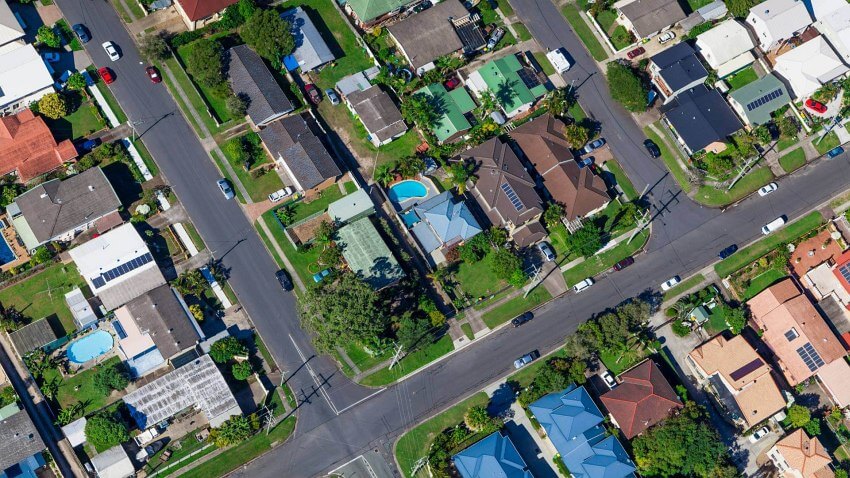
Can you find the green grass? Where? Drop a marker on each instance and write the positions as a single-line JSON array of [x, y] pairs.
[[793, 160], [618, 363], [260, 187], [195, 101], [305, 209], [785, 142], [522, 32], [513, 307], [414, 444], [669, 159], [505, 7], [43, 294], [146, 157], [213, 97], [742, 78], [621, 38], [763, 281], [711, 196], [410, 363], [82, 122], [581, 28], [697, 4], [606, 19], [558, 238], [188, 444], [268, 242], [108, 96], [604, 261], [467, 330], [193, 234], [477, 280], [576, 112], [362, 359], [80, 387], [544, 62], [264, 351], [300, 261], [681, 287], [787, 234], [828, 142], [134, 8], [122, 11], [622, 179], [218, 157]]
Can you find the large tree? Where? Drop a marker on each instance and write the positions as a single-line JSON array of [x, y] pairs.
[[111, 377], [154, 47], [577, 134], [269, 35], [104, 432], [204, 62], [626, 87], [48, 37], [506, 265], [420, 109], [227, 348], [235, 430], [586, 241], [53, 105]]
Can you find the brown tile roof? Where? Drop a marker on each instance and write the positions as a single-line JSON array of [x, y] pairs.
[[811, 253], [579, 190], [804, 454], [200, 9], [530, 233], [28, 148], [790, 321], [643, 399]]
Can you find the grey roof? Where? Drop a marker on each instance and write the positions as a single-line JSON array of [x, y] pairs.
[[249, 76], [33, 336], [351, 206], [19, 439], [378, 112], [650, 16], [80, 308], [57, 206], [430, 34], [75, 431], [759, 98], [354, 82], [701, 117], [164, 317], [113, 463], [295, 139], [679, 66], [120, 292], [311, 51]]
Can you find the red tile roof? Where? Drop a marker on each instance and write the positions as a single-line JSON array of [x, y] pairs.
[[200, 9], [27, 147], [840, 263], [643, 398]]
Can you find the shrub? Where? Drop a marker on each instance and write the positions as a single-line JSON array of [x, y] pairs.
[[48, 37], [235, 430], [227, 348], [626, 87], [242, 370], [184, 38], [204, 62], [680, 329], [109, 378], [104, 432], [53, 105]]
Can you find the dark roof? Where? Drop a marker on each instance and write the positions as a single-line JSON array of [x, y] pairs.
[[19, 439], [650, 16], [428, 35], [250, 77], [701, 117], [679, 66], [378, 112], [160, 313], [200, 9], [295, 139], [58, 206], [33, 336], [643, 399]]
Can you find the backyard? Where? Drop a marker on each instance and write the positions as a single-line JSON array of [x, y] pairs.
[[742, 78], [81, 388], [43, 294]]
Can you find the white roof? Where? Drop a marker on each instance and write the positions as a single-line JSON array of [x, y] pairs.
[[735, 64], [781, 18], [10, 29], [724, 42], [834, 378], [834, 23], [809, 66], [113, 463], [75, 432], [80, 307], [22, 73], [823, 8]]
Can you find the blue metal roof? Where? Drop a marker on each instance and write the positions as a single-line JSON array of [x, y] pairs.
[[451, 221], [493, 457]]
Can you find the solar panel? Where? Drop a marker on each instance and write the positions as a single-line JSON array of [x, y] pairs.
[[746, 369], [528, 77], [122, 269], [764, 99], [791, 334], [845, 272], [512, 197], [810, 357], [98, 282]]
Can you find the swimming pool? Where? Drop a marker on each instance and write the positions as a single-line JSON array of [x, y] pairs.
[[6, 254], [90, 347], [408, 189]]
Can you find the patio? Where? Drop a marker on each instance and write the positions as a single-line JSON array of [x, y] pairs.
[[15, 245]]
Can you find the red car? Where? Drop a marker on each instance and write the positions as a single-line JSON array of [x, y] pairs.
[[815, 106], [312, 93], [153, 74], [636, 52], [106, 75], [452, 83]]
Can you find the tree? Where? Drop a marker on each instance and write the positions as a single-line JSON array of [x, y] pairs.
[[384, 174], [615, 332], [787, 126], [51, 387], [459, 173], [8, 193], [474, 249], [798, 416], [69, 414], [191, 282], [110, 377], [48, 37], [506, 265], [242, 370], [227, 348], [41, 255], [576, 134], [762, 134], [410, 166], [154, 47], [740, 8], [269, 35], [812, 427], [736, 318], [421, 110], [236, 105], [627, 216], [411, 331], [7, 396], [235, 430], [53, 105], [286, 214], [557, 102], [76, 81], [197, 312], [104, 432], [498, 236], [477, 419], [204, 62], [626, 87], [586, 241], [325, 233], [331, 256], [553, 215]]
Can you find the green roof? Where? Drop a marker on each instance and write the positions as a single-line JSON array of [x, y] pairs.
[[352, 206], [503, 79], [367, 254], [700, 314], [452, 105], [368, 10], [762, 94]]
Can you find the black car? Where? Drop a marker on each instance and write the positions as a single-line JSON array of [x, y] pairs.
[[82, 32], [728, 251], [284, 279], [522, 319], [624, 263], [652, 148]]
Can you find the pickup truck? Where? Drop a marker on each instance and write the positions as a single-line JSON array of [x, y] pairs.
[[280, 194]]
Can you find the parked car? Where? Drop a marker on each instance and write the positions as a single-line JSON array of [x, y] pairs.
[[283, 278], [767, 189], [165, 455], [583, 285], [88, 145], [624, 263], [815, 106], [526, 359], [636, 52], [111, 50], [225, 188], [82, 32], [106, 75], [834, 152], [652, 148], [546, 250], [595, 144], [759, 434], [153, 448], [559, 60], [153, 74], [452, 83], [666, 37], [312, 93], [670, 283], [519, 320], [773, 225], [319, 276], [583, 163], [727, 251], [50, 56], [497, 35], [332, 96], [609, 379], [280, 194]]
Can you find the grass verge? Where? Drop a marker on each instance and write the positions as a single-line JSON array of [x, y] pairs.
[[513, 307], [410, 363], [681, 287], [581, 28], [604, 261], [711, 196], [793, 160], [669, 159], [622, 179]]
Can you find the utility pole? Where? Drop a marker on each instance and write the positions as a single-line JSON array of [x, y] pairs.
[[396, 356], [642, 222], [535, 279], [132, 125]]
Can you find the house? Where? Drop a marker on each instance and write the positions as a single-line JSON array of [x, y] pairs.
[[573, 424], [360, 81], [452, 107], [113, 463], [504, 189], [10, 29], [754, 103], [198, 384], [493, 457], [199, 13], [251, 79], [814, 251], [27, 147], [798, 456], [378, 113], [24, 78], [739, 378], [642, 399], [368, 13], [701, 120], [431, 33], [832, 19], [59, 210], [726, 47], [443, 222], [20, 444], [515, 87], [351, 207], [776, 21], [117, 266], [295, 144], [809, 66], [645, 18], [675, 70], [578, 189], [311, 52], [35, 335], [80, 308], [367, 255]]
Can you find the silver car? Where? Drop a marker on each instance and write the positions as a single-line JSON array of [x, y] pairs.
[[546, 250], [225, 188]]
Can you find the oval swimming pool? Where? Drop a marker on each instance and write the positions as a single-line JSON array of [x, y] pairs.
[[90, 347], [407, 189]]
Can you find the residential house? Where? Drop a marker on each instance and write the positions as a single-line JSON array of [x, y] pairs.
[[515, 87], [573, 424], [430, 34], [443, 222], [754, 103], [351, 207], [24, 76], [776, 21], [378, 113], [452, 107], [113, 463], [675, 70], [739, 378], [646, 18], [701, 120], [798, 456], [642, 399], [809, 66], [368, 13], [544, 144], [35, 335], [360, 81], [493, 457], [311, 52], [199, 13], [27, 147], [295, 144], [726, 47], [832, 19], [20, 444], [251, 79], [504, 189], [59, 210], [367, 255], [117, 266], [10, 29]]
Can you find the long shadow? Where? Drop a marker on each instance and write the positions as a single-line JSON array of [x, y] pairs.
[[326, 34], [125, 185]]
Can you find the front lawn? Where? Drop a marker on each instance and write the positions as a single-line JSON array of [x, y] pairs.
[[477, 280], [513, 307], [668, 158], [300, 260], [362, 359], [620, 361], [742, 78], [785, 142], [756, 178], [84, 121], [828, 142], [681, 287], [793, 160], [762, 282], [583, 31], [43, 294], [604, 261], [263, 181], [522, 32], [410, 363]]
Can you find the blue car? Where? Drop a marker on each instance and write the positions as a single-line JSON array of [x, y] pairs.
[[835, 152], [317, 277]]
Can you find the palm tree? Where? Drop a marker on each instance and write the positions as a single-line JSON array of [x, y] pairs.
[[557, 102], [460, 173], [384, 174]]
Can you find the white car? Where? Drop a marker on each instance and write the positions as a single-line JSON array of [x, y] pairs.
[[609, 379], [666, 37], [559, 60], [765, 190], [583, 285], [670, 283], [773, 225], [759, 434], [111, 50], [280, 194]]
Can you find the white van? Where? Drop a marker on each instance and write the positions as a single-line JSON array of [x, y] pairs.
[[559, 60], [773, 225], [583, 285]]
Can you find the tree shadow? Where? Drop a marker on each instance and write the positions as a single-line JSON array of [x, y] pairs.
[[125, 185]]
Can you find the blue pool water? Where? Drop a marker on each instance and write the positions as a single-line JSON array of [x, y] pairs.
[[90, 347], [409, 189], [6, 254]]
